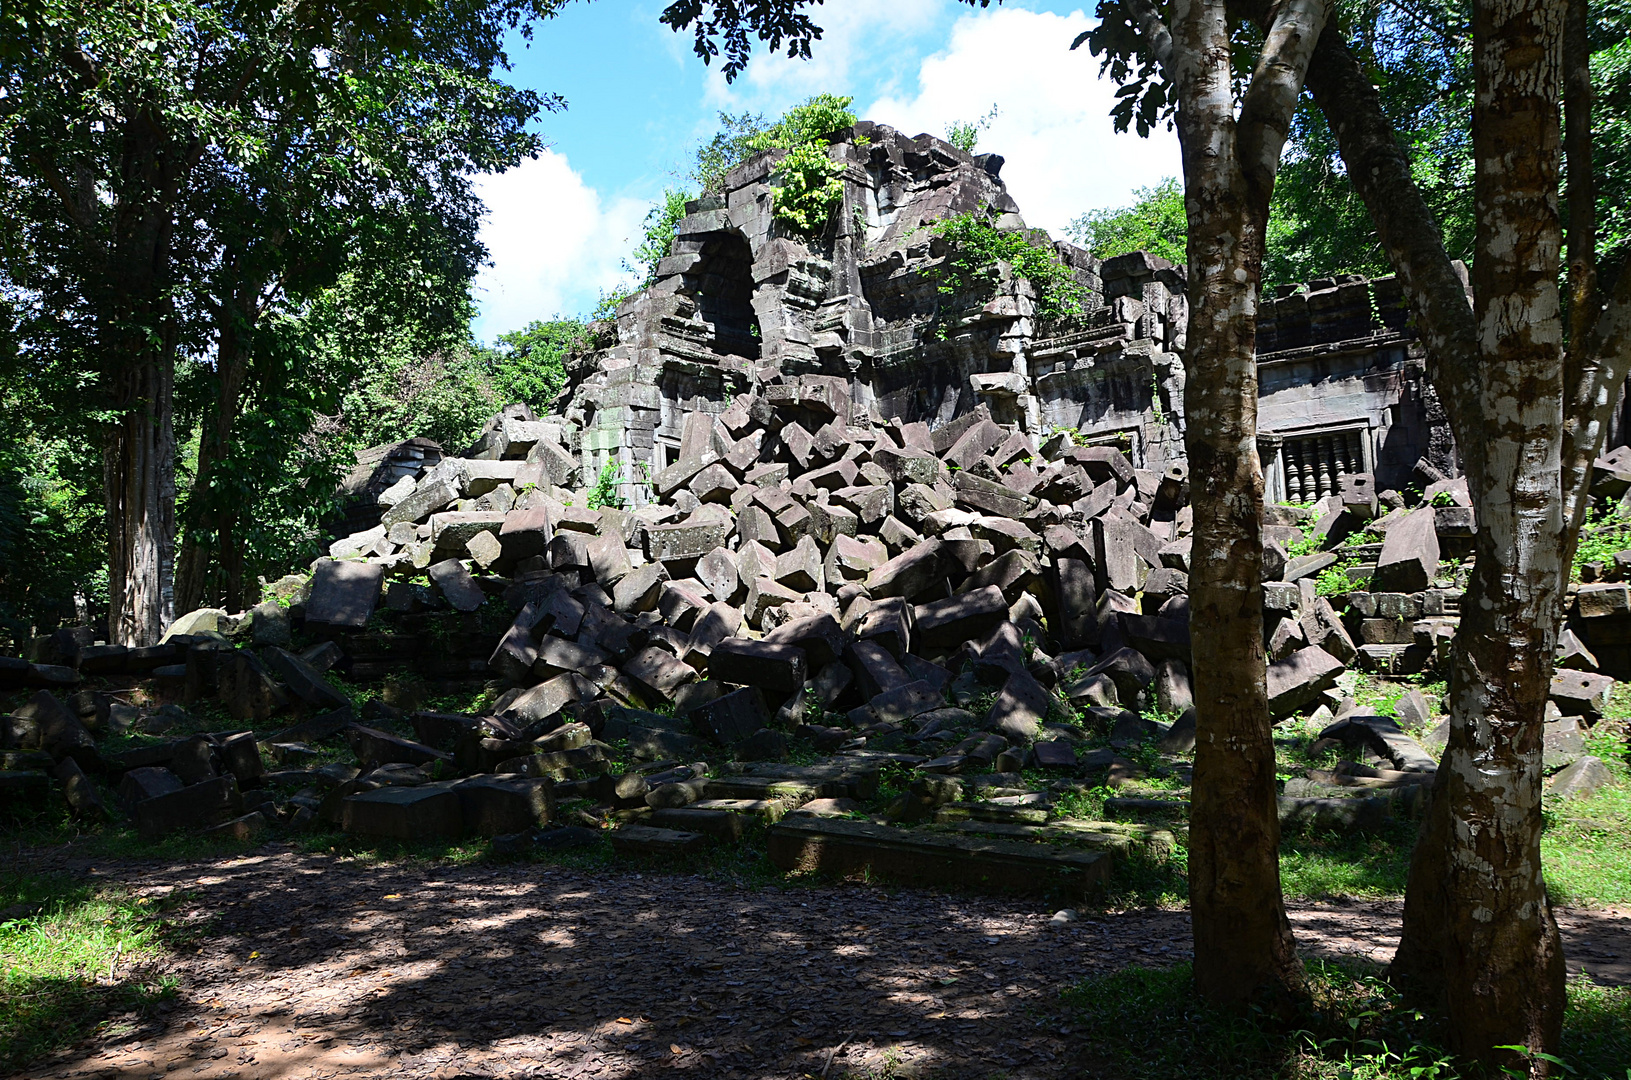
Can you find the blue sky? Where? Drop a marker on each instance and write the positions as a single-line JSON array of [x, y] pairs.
[[560, 226]]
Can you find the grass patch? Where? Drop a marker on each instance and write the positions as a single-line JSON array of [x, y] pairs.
[[71, 956], [1320, 866], [1586, 848], [1148, 1024]]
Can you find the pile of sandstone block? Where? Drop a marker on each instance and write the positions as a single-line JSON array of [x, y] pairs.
[[999, 621]]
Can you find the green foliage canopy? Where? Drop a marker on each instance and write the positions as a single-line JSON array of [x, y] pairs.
[[1154, 223]]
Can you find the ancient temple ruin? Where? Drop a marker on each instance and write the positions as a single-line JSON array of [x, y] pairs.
[[853, 324]]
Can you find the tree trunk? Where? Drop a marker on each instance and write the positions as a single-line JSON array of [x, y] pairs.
[[212, 555], [138, 462], [1477, 920], [1244, 949]]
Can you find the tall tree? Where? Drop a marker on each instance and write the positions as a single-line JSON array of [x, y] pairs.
[[109, 112], [1529, 419], [1243, 942]]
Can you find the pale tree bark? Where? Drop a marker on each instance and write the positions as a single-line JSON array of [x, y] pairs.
[[1479, 934], [139, 472], [1244, 949]]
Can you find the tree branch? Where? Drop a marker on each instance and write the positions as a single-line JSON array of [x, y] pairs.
[[1581, 191], [1154, 30], [1596, 372], [1410, 234], [1271, 99]]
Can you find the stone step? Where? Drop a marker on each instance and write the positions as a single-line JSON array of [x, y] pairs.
[[922, 857], [1033, 814], [719, 824], [639, 841], [771, 810], [761, 789], [1119, 837]]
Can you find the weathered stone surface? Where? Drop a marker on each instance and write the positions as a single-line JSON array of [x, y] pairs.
[[838, 846], [771, 667], [344, 594], [1299, 679], [195, 807], [1409, 557]]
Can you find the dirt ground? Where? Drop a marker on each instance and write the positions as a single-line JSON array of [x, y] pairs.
[[318, 967]]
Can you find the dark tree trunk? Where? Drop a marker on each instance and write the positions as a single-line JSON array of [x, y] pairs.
[[1244, 949], [212, 558]]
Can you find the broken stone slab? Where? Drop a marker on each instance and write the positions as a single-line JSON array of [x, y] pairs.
[[1019, 709], [344, 594], [684, 541], [1351, 815], [640, 590], [545, 701], [494, 805], [374, 748], [1382, 736], [1585, 777], [769, 666], [911, 573], [647, 841], [736, 716], [194, 807], [45, 723], [1604, 600], [83, 799], [422, 812], [1581, 693], [456, 585], [305, 681], [839, 846], [965, 617], [1409, 556], [658, 674], [1298, 679]]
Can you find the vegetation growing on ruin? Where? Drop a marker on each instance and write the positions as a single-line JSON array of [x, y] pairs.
[[978, 250]]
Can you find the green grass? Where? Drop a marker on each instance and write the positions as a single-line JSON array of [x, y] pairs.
[[1148, 1024], [71, 956], [1321, 866], [1586, 848]]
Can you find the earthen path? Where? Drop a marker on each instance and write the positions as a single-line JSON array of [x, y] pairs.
[[314, 967]]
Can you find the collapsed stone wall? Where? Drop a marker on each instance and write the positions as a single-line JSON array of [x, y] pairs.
[[856, 319]]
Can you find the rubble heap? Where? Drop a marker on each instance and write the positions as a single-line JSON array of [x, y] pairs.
[[985, 620]]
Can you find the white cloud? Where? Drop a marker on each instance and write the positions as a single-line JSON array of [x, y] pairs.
[[862, 41], [554, 242], [1063, 156]]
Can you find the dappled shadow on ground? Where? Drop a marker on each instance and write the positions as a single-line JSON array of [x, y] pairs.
[[313, 966]]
